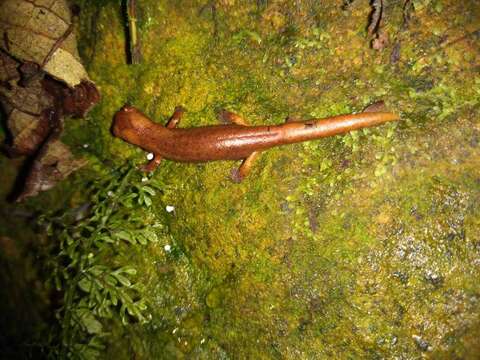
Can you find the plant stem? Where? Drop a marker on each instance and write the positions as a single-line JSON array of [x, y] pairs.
[[134, 42]]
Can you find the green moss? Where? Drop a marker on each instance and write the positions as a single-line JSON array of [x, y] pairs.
[[359, 246]]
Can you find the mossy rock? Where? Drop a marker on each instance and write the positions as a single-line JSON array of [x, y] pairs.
[[359, 246]]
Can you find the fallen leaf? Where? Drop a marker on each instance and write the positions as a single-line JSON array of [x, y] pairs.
[[76, 101], [53, 164], [41, 81], [8, 69], [41, 32], [25, 107]]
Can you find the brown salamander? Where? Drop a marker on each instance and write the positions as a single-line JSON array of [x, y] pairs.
[[232, 141]]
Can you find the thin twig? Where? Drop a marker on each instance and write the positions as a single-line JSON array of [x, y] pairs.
[[56, 45], [376, 17], [459, 39], [134, 42], [450, 43]]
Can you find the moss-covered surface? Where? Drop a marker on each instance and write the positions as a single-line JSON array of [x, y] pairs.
[[360, 246]]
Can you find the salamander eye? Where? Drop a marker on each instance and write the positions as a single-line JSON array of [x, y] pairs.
[[127, 108]]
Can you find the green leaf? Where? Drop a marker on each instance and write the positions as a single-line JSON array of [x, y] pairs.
[[96, 343], [84, 352], [104, 238], [92, 325], [85, 284], [89, 228], [124, 235], [149, 190], [126, 297], [97, 270], [130, 270], [122, 279], [150, 235], [147, 201], [113, 298], [123, 315], [111, 280], [141, 305], [98, 297], [133, 311], [142, 239], [105, 312], [100, 284]]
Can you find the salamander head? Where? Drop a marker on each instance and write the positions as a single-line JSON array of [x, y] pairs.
[[131, 125]]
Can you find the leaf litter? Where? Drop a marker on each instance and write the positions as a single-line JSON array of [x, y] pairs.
[[42, 81]]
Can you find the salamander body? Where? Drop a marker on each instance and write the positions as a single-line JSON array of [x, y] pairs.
[[232, 141]]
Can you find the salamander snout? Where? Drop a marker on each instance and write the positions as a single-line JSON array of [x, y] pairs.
[[129, 124], [121, 123]]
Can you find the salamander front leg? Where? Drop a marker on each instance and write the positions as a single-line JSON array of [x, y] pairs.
[[172, 123], [239, 174], [175, 118], [229, 117], [152, 164]]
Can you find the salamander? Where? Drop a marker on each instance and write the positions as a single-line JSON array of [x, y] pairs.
[[233, 140]]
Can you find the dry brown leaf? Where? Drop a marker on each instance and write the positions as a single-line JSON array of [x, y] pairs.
[[53, 164], [25, 107], [8, 69], [41, 81], [76, 101], [41, 32], [28, 132], [35, 123], [35, 115]]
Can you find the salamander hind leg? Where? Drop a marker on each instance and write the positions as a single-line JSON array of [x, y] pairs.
[[175, 118], [378, 106], [229, 117], [152, 164], [291, 119], [239, 174]]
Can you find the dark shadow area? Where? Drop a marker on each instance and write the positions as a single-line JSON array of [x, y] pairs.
[[24, 317]]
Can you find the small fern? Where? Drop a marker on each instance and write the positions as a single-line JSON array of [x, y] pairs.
[[85, 242]]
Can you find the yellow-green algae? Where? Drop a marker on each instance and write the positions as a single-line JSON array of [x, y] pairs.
[[360, 246]]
